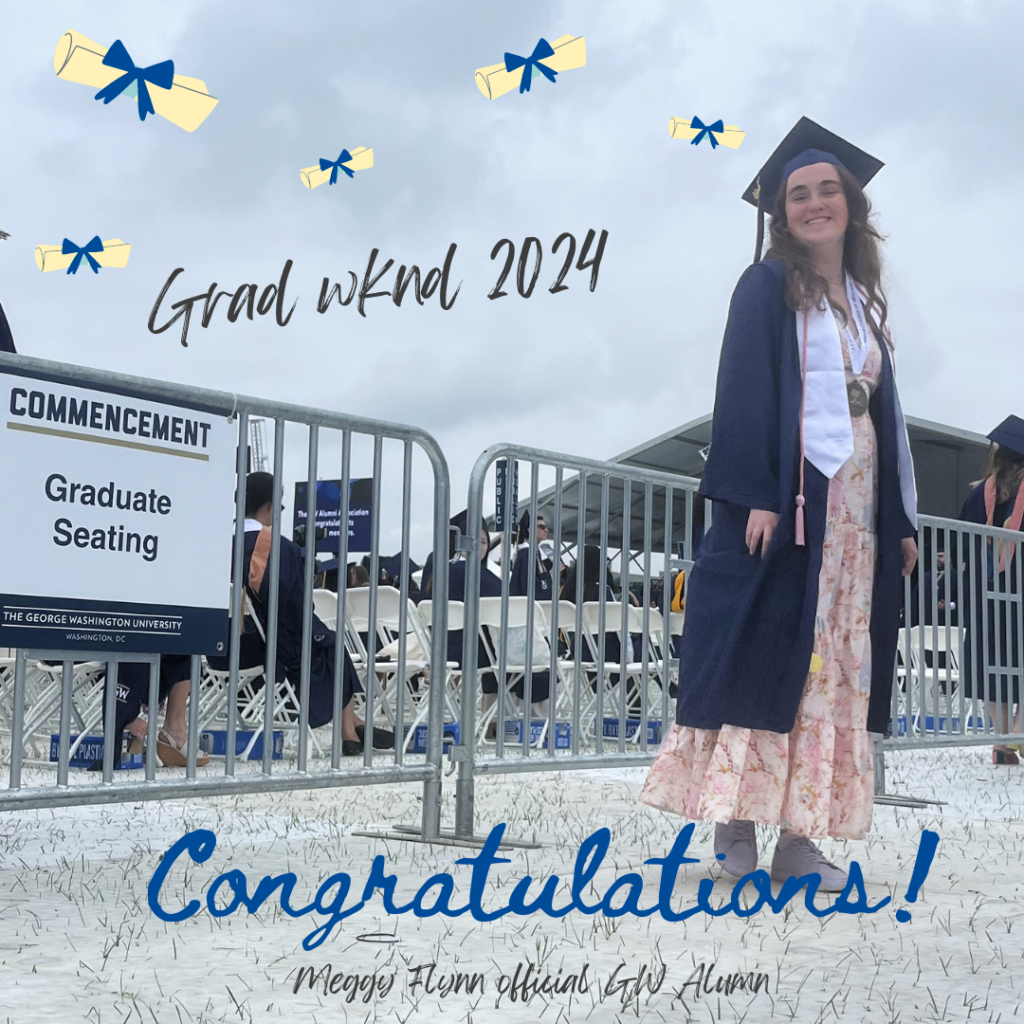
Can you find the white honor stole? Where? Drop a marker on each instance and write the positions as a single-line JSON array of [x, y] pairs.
[[826, 431]]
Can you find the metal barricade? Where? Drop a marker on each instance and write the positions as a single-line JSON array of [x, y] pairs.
[[602, 710], [384, 613], [958, 675]]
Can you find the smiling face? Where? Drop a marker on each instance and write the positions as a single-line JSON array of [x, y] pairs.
[[816, 211]]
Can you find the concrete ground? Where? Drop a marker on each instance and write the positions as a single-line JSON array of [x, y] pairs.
[[78, 941]]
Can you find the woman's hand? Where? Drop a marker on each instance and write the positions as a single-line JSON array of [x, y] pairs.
[[760, 527], [909, 546]]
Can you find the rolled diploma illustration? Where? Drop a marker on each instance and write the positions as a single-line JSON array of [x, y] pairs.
[[187, 103], [115, 254], [679, 128], [570, 52], [362, 159]]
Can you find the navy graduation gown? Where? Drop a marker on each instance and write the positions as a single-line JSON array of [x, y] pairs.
[[1004, 650], [6, 338], [520, 579], [490, 586], [749, 632], [289, 634]]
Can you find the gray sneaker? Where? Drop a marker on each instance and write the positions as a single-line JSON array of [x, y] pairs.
[[797, 855], [737, 841]]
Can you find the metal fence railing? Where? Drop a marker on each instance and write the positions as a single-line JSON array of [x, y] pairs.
[[557, 667], [958, 670], [51, 699], [601, 663], [957, 676]]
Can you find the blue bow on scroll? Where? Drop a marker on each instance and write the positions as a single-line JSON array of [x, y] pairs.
[[706, 129], [540, 51], [161, 75], [335, 164], [82, 250]]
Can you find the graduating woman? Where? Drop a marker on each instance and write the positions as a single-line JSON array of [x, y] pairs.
[[998, 500], [792, 615]]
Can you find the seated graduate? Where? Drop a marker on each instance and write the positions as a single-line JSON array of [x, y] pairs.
[[259, 514], [490, 586], [133, 692], [935, 583], [543, 589]]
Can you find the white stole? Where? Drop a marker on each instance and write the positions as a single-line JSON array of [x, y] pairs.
[[827, 427]]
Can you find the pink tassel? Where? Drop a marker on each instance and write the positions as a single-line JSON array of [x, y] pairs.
[[800, 520]]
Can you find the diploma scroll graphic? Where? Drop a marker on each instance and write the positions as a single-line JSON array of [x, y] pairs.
[[187, 103], [679, 128], [51, 257], [362, 160], [494, 81]]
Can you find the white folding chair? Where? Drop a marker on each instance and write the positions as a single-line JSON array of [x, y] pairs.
[[387, 624], [515, 668], [939, 672], [453, 673], [325, 607], [611, 703]]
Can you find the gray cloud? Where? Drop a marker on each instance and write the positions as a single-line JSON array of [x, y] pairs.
[[934, 89]]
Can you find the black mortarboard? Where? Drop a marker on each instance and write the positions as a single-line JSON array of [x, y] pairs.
[[1010, 434], [807, 143]]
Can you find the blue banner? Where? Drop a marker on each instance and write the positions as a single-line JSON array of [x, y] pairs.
[[328, 514]]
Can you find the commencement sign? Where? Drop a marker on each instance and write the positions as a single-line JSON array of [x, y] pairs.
[[116, 511]]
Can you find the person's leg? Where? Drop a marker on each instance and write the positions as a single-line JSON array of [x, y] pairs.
[[175, 685], [174, 714], [349, 721], [1003, 753]]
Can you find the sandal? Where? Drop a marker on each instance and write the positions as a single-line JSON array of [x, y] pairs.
[[1004, 755], [173, 756]]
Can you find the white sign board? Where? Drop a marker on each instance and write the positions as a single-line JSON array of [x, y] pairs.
[[116, 512]]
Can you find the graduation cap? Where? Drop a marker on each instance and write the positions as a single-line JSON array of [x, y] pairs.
[[1010, 434], [807, 143]]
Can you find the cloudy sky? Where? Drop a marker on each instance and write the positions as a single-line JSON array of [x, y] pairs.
[[932, 87]]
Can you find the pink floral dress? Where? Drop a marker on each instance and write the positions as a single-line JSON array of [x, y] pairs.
[[818, 779]]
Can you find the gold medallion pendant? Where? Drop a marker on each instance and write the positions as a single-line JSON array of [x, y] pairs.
[[858, 398]]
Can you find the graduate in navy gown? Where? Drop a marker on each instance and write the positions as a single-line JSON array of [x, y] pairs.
[[259, 488], [543, 588], [490, 586], [809, 456], [998, 500]]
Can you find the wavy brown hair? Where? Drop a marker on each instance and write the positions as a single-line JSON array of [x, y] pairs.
[[805, 287], [1008, 469]]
